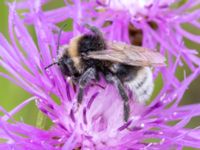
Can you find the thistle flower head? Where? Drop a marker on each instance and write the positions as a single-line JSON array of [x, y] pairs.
[[135, 7], [98, 123]]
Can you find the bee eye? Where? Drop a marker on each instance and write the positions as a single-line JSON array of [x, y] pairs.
[[76, 74]]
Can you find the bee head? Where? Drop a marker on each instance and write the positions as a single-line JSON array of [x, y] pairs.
[[63, 65]]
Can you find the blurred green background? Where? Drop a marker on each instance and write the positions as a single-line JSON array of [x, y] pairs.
[[12, 95]]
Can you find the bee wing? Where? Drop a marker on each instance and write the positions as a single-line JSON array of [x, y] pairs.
[[129, 54]]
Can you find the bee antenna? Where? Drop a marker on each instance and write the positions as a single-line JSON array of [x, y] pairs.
[[50, 65], [59, 35]]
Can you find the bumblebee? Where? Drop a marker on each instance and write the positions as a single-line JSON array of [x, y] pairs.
[[125, 66]]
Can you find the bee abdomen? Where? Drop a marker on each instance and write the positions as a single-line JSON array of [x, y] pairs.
[[141, 85]]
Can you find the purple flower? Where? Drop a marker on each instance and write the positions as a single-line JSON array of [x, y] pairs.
[[98, 123]]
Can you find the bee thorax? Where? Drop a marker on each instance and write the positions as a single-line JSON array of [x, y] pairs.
[[142, 85]]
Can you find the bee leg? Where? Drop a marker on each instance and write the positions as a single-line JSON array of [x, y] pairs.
[[114, 79], [86, 77]]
